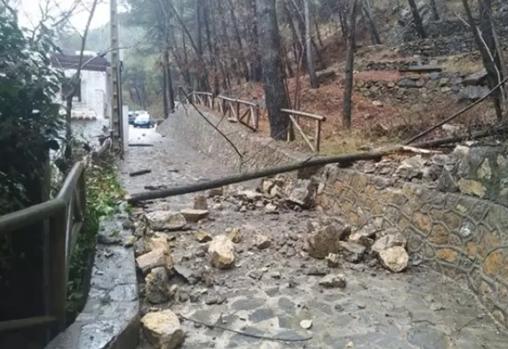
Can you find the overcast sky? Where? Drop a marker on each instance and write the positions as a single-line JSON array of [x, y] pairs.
[[30, 12]]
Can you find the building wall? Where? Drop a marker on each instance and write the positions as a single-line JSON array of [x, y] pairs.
[[94, 95]]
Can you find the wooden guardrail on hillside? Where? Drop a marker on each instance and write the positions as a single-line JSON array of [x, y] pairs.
[[63, 219], [248, 113], [235, 110], [300, 121]]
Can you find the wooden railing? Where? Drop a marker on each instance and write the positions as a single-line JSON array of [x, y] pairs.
[[302, 121], [204, 98], [62, 219], [235, 110]]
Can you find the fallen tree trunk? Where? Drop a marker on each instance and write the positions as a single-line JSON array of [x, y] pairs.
[[346, 159]]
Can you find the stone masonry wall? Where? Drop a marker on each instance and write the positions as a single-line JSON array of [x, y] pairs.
[[462, 237], [258, 151]]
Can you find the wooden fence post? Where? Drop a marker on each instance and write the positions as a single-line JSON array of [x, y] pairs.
[[58, 270]]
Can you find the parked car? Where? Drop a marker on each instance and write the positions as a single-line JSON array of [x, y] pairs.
[[132, 117], [143, 120]]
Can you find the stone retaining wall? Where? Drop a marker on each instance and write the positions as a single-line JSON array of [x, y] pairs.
[[462, 237], [258, 151]]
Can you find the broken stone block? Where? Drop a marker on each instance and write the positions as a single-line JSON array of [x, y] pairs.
[[248, 195], [392, 239], [200, 202], [333, 260], [154, 259], [262, 241], [163, 330], [327, 240], [446, 183], [352, 251], [193, 215], [222, 252], [271, 208], [394, 258], [306, 324], [333, 281], [304, 193], [158, 242], [156, 286], [202, 236], [411, 168], [234, 235], [166, 220], [472, 187]]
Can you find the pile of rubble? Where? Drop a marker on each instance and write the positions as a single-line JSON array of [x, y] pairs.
[[336, 241], [166, 279]]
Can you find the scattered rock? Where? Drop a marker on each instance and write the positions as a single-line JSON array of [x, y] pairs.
[[156, 286], [304, 193], [392, 239], [306, 324], [234, 235], [315, 271], [333, 281], [472, 187], [411, 168], [166, 220], [333, 260], [327, 240], [154, 259], [262, 241], [193, 215], [222, 252], [446, 183], [163, 330], [200, 202], [378, 104], [202, 236], [352, 251], [394, 258], [271, 208], [158, 242], [249, 195]]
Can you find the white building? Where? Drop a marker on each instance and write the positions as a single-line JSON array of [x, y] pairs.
[[91, 108]]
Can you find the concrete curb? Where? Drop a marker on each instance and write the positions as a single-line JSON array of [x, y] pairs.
[[110, 318]]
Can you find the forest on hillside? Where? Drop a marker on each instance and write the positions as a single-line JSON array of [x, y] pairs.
[[314, 55]]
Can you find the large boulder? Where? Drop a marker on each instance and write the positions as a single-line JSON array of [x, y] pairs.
[[391, 238], [154, 259], [166, 220], [222, 252], [156, 286], [163, 329], [394, 258], [327, 240], [261, 241], [333, 281], [194, 215], [304, 193]]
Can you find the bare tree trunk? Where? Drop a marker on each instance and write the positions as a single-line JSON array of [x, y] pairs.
[[348, 85], [238, 38], [256, 71], [367, 14], [311, 67], [435, 12], [164, 67], [417, 19], [275, 96], [485, 40]]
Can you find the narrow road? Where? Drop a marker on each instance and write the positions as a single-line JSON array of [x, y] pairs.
[[270, 291]]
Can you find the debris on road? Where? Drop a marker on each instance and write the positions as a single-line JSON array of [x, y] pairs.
[[139, 173], [222, 252]]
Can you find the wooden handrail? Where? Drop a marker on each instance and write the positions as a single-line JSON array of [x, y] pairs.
[[26, 322], [63, 216], [305, 114]]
